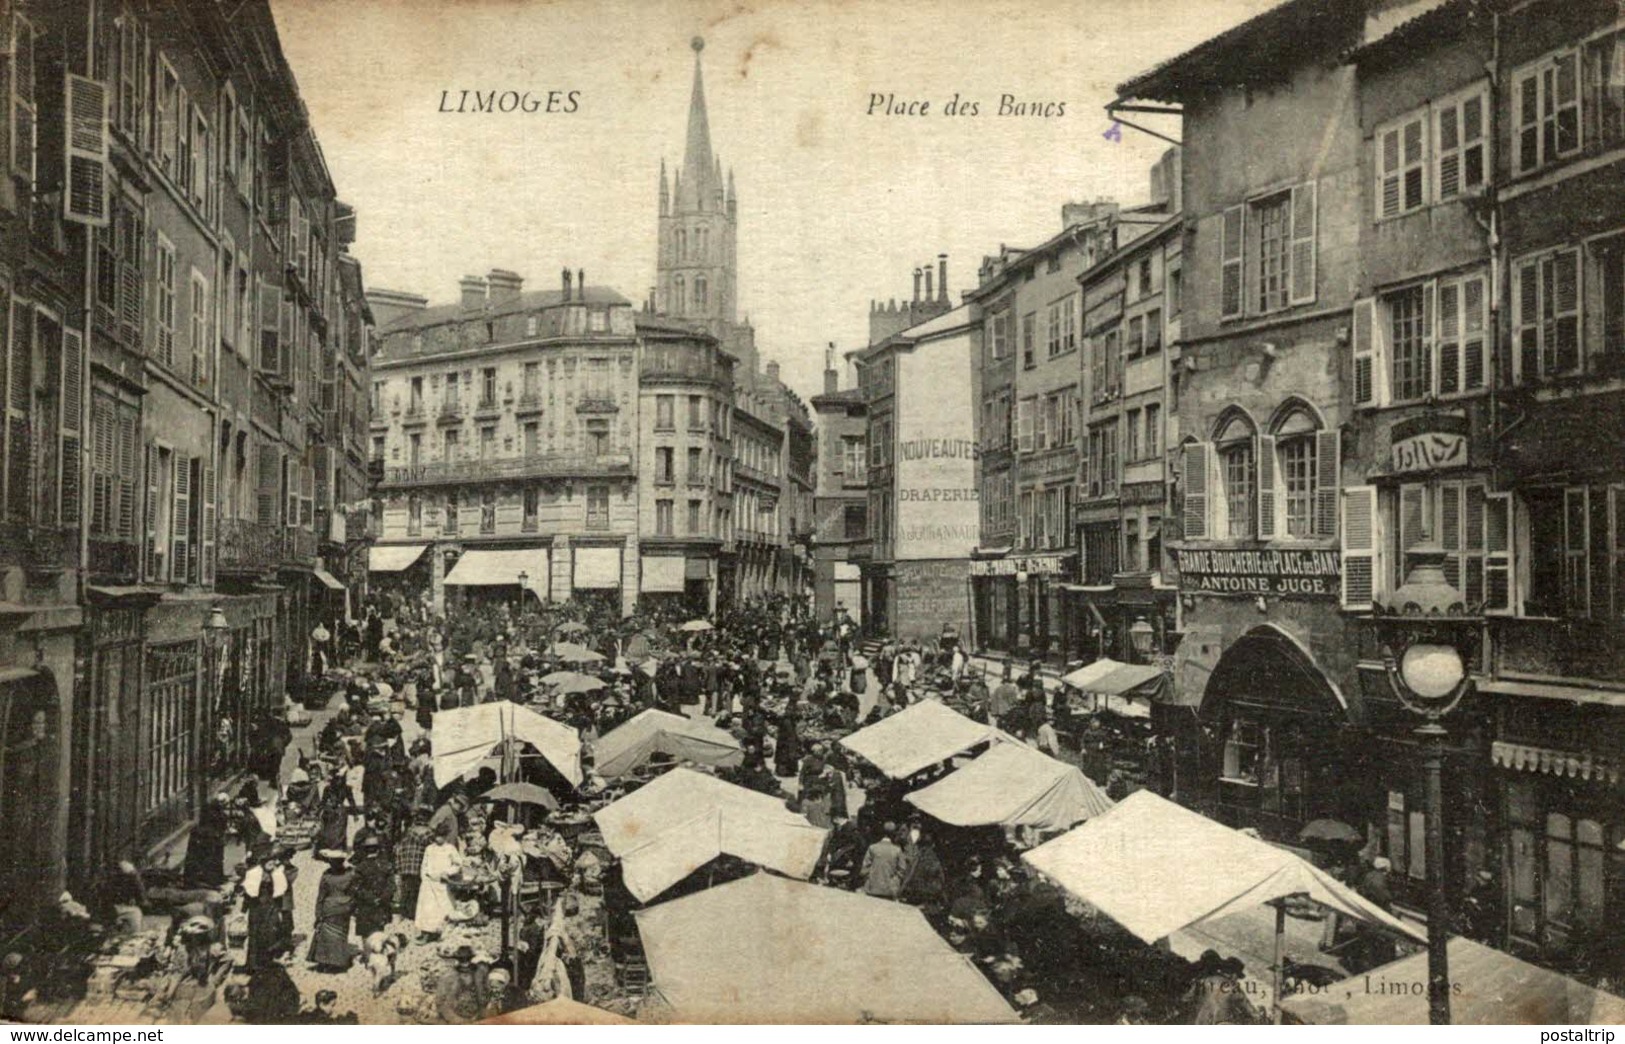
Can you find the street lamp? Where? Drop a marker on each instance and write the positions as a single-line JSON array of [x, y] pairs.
[[1141, 635], [524, 581], [1429, 636], [214, 639]]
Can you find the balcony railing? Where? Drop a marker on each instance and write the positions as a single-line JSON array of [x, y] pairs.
[[248, 546], [547, 465], [114, 559], [298, 546], [754, 474]]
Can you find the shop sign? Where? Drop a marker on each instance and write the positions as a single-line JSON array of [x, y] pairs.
[[1428, 443], [1268, 571], [1032, 565]]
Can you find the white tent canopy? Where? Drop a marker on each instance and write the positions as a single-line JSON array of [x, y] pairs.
[[766, 949], [660, 732], [917, 737], [465, 736], [1013, 785], [678, 797], [500, 568], [790, 848], [393, 558], [1155, 867]]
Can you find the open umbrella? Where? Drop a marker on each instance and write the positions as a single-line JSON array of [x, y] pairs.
[[1330, 830], [572, 681], [570, 652], [697, 625], [571, 627], [523, 793]]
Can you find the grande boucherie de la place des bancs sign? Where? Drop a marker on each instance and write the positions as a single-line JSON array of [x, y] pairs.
[[1264, 571]]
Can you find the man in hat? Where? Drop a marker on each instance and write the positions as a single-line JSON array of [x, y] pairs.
[[883, 865], [1374, 884], [450, 818], [1005, 698]]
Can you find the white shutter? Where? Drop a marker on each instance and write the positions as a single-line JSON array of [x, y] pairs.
[[207, 529], [1430, 352], [1386, 147], [1302, 289], [1328, 481], [1232, 237], [180, 517], [1197, 491], [1264, 455], [1361, 547], [129, 438], [85, 200], [1363, 342], [1448, 336], [150, 523], [1449, 532], [1498, 544], [1024, 426], [1218, 504], [22, 99], [71, 493]]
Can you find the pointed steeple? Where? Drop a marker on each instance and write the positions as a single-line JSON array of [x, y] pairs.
[[665, 190], [698, 162]]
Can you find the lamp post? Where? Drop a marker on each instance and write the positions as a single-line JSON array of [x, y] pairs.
[[214, 637], [1024, 614], [524, 582], [1141, 635], [1428, 636]]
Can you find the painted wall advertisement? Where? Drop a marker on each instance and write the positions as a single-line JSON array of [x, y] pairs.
[[1270, 571], [938, 511]]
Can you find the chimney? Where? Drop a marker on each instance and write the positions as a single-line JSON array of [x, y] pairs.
[[581, 284], [916, 286], [504, 286], [942, 276], [473, 288], [832, 376], [566, 284], [773, 371], [929, 296]]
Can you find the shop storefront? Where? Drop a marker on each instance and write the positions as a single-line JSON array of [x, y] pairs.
[[1020, 603]]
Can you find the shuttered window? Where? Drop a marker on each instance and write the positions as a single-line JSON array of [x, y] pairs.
[[85, 200]]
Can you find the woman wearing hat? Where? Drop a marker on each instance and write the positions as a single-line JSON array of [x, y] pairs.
[[265, 885], [374, 885], [335, 903]]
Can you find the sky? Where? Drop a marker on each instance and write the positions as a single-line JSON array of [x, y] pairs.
[[837, 204]]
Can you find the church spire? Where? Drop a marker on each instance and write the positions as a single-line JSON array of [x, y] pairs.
[[698, 162]]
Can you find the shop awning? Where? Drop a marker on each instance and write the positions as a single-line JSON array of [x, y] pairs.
[[1551, 691], [394, 557], [917, 737], [327, 579], [664, 574], [848, 571], [1493, 988], [465, 736], [1013, 785], [1553, 762], [1110, 678], [660, 732], [772, 950], [597, 568], [500, 568], [1155, 867]]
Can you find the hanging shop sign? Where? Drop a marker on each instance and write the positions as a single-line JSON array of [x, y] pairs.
[[1427, 443], [1032, 565], [1269, 571]]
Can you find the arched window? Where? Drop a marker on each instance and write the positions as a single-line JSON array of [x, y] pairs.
[[702, 237], [682, 244], [700, 302], [1292, 440], [678, 301], [1234, 446]]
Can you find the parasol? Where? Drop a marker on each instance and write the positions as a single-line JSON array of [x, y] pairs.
[[572, 681], [1330, 830], [570, 652], [571, 627], [523, 793], [695, 626]]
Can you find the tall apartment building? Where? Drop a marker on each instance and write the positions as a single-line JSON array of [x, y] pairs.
[[171, 338], [1401, 325], [507, 429], [841, 499]]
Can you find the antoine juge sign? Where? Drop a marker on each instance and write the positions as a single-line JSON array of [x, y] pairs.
[[1266, 571]]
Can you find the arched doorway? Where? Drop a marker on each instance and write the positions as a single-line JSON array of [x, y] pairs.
[[1275, 739]]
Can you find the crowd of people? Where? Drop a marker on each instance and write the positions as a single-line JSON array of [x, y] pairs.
[[452, 907]]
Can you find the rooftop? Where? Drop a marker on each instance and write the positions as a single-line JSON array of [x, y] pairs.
[[435, 315]]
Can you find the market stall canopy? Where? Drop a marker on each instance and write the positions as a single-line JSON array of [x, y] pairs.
[[677, 797], [720, 956], [560, 1011], [1013, 785], [463, 737], [791, 849], [488, 568], [1156, 867], [1111, 678], [1489, 988], [393, 559], [917, 737], [660, 732]]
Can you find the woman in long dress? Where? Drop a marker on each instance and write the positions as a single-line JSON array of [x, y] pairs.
[[335, 902], [441, 861], [264, 887], [333, 833]]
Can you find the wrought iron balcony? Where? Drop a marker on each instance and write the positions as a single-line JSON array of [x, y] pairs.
[[248, 546], [545, 465]]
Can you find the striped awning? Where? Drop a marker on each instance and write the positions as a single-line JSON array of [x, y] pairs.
[[1553, 762]]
